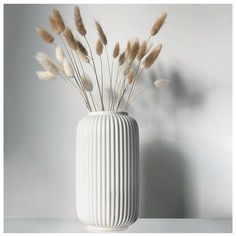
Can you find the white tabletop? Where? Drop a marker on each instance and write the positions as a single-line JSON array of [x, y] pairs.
[[12, 225]]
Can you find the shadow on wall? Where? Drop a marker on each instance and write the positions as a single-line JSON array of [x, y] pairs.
[[162, 178], [163, 164]]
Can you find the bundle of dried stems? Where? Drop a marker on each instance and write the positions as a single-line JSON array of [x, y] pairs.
[[124, 69]]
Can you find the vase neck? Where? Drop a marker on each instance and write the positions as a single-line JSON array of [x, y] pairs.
[[108, 113]]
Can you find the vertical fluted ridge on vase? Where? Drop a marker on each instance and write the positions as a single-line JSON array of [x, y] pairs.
[[107, 170]]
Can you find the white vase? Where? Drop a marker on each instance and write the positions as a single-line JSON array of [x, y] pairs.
[[107, 170]]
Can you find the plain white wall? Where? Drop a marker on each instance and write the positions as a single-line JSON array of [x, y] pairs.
[[185, 128]]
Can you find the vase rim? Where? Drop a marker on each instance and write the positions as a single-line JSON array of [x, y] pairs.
[[107, 112]]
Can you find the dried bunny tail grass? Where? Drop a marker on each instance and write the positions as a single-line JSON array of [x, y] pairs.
[[46, 75], [48, 38], [46, 63], [83, 57], [130, 76], [142, 51], [79, 22], [59, 54], [122, 58], [101, 34], [149, 60], [99, 47], [60, 67], [158, 24], [127, 68], [116, 50], [56, 16], [87, 83], [54, 25], [70, 39], [81, 48], [68, 69], [127, 50], [134, 51], [161, 82]]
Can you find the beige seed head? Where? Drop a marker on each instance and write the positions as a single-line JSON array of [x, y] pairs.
[[134, 50], [70, 39], [142, 51], [127, 50], [56, 16], [158, 24], [101, 33], [87, 83], [54, 25], [81, 48], [99, 47], [42, 33], [116, 50], [130, 76], [127, 68], [150, 59], [83, 57], [79, 22], [122, 58]]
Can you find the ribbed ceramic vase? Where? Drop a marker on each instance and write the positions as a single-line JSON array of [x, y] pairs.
[[107, 170]]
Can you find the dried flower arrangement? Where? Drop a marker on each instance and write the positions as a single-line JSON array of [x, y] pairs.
[[70, 65]]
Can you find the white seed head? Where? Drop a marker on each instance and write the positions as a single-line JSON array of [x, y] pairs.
[[46, 62], [68, 69], [87, 83], [46, 75], [161, 82], [59, 54]]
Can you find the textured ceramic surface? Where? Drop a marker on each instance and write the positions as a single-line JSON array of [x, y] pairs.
[[107, 170]]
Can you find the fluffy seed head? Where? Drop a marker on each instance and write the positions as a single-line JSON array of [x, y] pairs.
[[70, 39], [142, 51], [127, 68], [101, 34], [116, 50], [46, 75], [79, 22], [87, 83], [134, 51], [83, 57], [149, 60], [158, 24], [130, 76], [81, 48], [58, 20], [122, 58], [99, 47], [46, 62], [59, 54], [161, 82], [42, 33], [54, 25], [68, 69], [127, 50]]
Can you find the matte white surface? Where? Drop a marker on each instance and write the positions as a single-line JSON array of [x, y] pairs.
[[185, 128], [141, 226], [107, 170]]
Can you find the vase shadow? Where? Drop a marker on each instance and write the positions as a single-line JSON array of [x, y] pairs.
[[164, 168], [162, 177]]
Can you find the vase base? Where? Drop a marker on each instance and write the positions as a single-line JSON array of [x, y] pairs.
[[105, 229]]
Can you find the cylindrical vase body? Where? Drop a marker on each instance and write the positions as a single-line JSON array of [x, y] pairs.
[[107, 170]]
